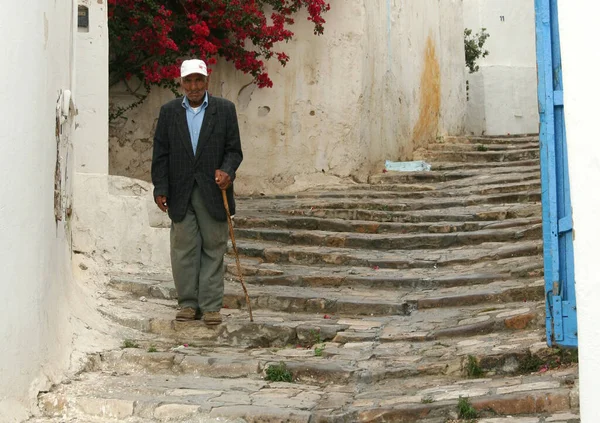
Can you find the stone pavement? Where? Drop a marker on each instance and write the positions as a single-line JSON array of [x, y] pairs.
[[392, 301]]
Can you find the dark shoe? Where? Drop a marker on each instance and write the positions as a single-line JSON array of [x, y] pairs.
[[212, 318], [186, 314]]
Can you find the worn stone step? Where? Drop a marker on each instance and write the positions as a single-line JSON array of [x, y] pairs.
[[407, 189], [258, 272], [494, 292], [360, 302], [383, 242], [371, 227], [540, 397], [156, 398], [456, 146], [451, 174], [390, 259], [476, 180], [156, 318], [418, 207], [363, 277], [343, 300], [347, 300], [505, 188], [300, 305], [317, 362], [451, 214], [489, 139], [444, 335], [487, 165], [491, 181], [467, 186], [479, 156], [532, 196], [444, 173]]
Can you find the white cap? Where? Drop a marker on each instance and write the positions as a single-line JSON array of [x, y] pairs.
[[189, 67]]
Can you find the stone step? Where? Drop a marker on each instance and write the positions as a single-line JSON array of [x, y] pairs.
[[445, 175], [465, 218], [371, 227], [396, 183], [407, 188], [477, 213], [461, 188], [455, 146], [332, 362], [308, 207], [155, 398], [256, 271], [501, 338], [511, 139], [259, 273], [525, 182], [539, 397], [348, 300], [383, 242], [390, 259], [487, 165], [479, 156], [282, 319], [479, 182]]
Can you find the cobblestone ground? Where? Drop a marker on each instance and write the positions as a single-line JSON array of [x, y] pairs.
[[417, 297]]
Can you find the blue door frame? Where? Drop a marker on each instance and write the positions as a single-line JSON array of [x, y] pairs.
[[561, 311]]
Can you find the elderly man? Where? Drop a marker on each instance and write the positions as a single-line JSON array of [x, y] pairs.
[[197, 151]]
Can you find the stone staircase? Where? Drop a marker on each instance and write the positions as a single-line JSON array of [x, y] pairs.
[[406, 299]]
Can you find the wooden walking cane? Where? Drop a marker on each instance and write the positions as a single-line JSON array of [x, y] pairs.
[[235, 251]]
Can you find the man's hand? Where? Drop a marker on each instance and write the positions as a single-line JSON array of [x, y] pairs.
[[161, 202], [222, 179]]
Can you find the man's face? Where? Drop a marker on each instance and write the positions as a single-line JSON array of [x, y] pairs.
[[194, 86]]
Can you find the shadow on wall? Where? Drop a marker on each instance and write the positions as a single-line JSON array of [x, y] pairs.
[[427, 126]]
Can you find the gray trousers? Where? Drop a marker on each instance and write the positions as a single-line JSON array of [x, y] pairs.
[[198, 244]]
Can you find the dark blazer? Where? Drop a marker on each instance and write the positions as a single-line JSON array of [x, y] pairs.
[[174, 166]]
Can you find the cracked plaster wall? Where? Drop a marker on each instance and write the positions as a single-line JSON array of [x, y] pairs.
[[386, 77], [36, 334]]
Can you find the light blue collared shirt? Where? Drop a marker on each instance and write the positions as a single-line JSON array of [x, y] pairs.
[[195, 119]]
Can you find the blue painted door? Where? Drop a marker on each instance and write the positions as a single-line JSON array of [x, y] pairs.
[[561, 311]]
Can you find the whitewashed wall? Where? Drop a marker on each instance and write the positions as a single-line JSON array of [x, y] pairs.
[[35, 333], [113, 216], [502, 95], [580, 66], [386, 77], [92, 86]]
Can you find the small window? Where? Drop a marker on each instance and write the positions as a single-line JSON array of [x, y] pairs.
[[83, 19]]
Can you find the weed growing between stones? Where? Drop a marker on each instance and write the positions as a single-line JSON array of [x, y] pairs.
[[128, 343], [278, 373], [315, 336], [473, 369], [152, 349], [465, 409], [482, 147], [319, 351], [426, 400], [551, 358], [531, 363]]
